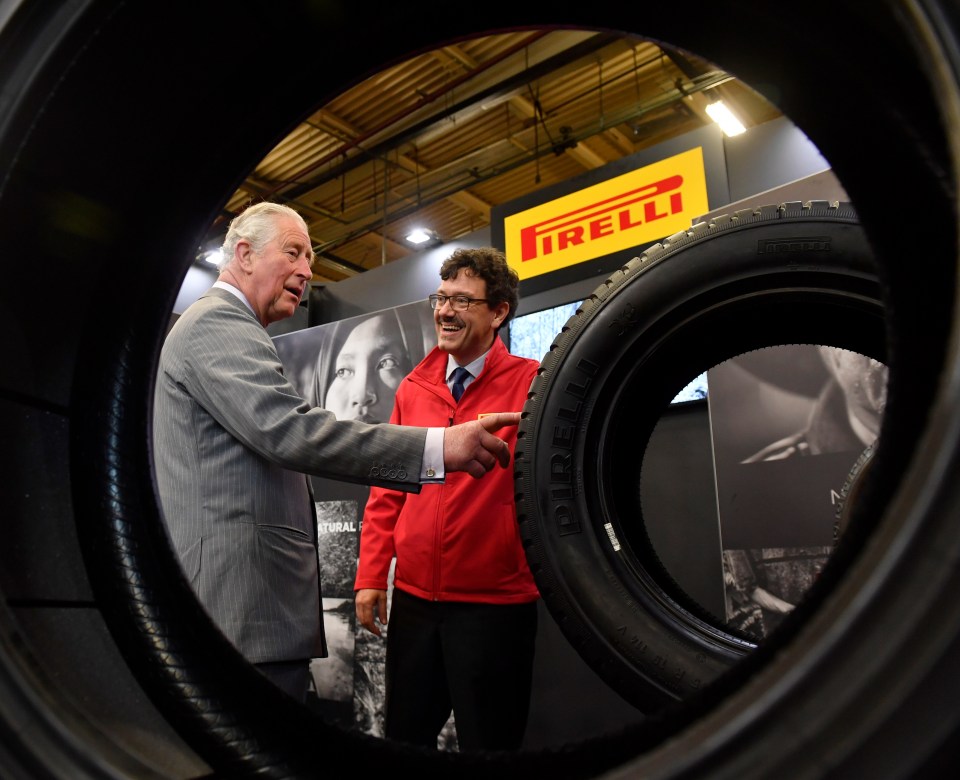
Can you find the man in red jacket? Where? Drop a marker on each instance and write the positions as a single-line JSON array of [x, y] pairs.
[[463, 619]]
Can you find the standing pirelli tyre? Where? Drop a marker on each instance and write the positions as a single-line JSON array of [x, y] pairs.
[[797, 273]]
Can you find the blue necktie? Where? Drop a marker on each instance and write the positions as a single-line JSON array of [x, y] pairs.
[[459, 376]]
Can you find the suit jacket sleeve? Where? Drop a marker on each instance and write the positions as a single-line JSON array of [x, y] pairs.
[[230, 366]]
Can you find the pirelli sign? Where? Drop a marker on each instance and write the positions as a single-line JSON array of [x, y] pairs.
[[634, 208]]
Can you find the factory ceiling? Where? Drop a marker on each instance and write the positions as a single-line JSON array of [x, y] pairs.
[[438, 140]]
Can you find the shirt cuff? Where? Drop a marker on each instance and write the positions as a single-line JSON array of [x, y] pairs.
[[432, 471]]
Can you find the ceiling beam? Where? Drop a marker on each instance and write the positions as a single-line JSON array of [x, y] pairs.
[[586, 156], [620, 139], [454, 52], [327, 122], [471, 203]]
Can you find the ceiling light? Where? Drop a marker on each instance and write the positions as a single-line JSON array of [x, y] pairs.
[[214, 257], [724, 117], [420, 236]]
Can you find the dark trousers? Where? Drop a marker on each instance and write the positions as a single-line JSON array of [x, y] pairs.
[[473, 659], [292, 677]]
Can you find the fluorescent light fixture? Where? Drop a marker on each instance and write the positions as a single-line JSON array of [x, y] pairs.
[[419, 236], [722, 115]]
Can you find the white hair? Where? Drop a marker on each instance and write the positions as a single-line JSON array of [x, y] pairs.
[[258, 225]]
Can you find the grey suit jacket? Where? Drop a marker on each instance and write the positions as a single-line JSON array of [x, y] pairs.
[[232, 441]]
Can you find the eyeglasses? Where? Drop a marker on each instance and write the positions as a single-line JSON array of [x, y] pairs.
[[458, 302]]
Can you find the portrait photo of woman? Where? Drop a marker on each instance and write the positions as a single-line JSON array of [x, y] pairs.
[[352, 367], [356, 378]]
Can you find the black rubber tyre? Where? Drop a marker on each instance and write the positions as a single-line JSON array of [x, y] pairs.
[[798, 273], [105, 659]]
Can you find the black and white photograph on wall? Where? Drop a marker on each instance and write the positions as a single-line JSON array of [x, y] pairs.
[[331, 685], [788, 424], [368, 675], [351, 367]]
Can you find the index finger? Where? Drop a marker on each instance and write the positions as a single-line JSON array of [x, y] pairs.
[[491, 421]]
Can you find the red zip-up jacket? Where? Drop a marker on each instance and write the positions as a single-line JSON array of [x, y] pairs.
[[458, 541]]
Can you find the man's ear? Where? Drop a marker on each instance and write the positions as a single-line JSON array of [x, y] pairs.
[[500, 312], [243, 256]]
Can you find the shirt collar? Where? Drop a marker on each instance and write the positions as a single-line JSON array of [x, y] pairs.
[[235, 291], [474, 367]]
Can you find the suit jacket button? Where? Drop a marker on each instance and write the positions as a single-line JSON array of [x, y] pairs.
[[431, 473]]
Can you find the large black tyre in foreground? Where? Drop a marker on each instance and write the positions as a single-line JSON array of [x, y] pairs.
[[107, 666]]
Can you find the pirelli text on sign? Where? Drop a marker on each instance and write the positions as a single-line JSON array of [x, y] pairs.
[[628, 210]]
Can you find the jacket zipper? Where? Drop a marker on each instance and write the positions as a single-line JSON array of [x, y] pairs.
[[438, 535]]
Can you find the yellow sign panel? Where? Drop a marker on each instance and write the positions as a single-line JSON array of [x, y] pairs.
[[629, 210]]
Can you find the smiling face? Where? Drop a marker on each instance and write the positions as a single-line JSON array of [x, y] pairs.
[[274, 279], [467, 334], [368, 370]]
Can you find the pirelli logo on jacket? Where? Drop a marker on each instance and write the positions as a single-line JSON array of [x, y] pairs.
[[634, 208]]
